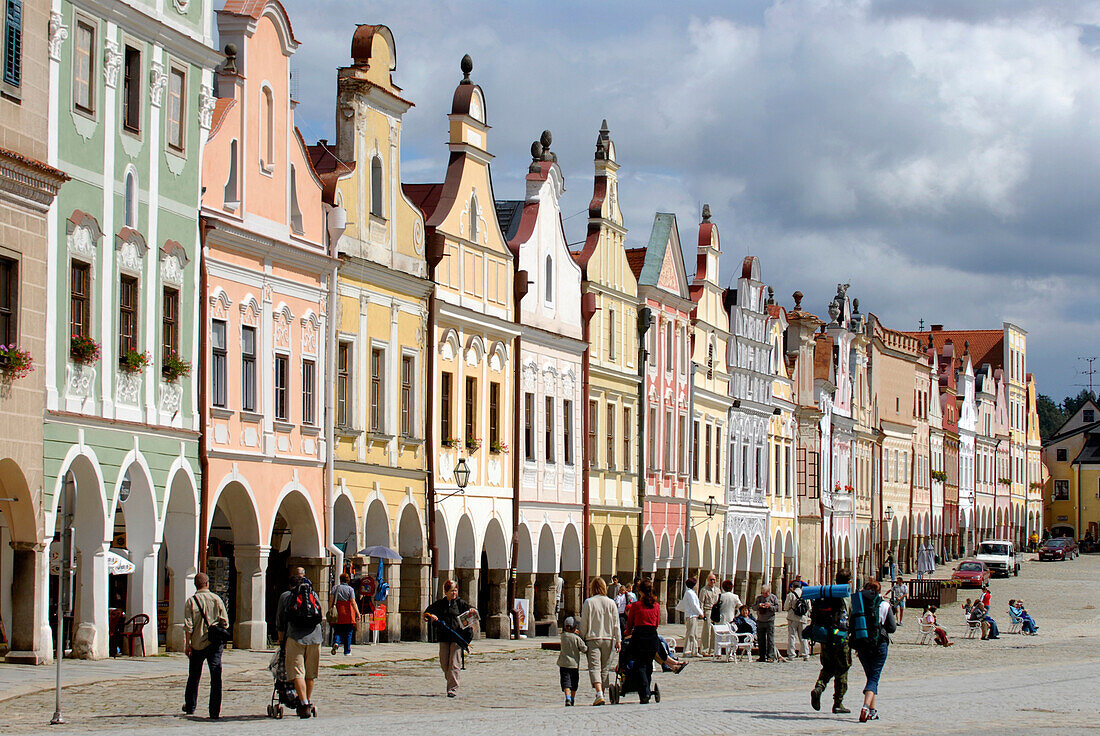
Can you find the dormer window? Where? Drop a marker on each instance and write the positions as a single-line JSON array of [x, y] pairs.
[[376, 187], [1089, 415]]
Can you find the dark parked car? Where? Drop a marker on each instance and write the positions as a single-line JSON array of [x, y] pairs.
[[972, 574], [1056, 549]]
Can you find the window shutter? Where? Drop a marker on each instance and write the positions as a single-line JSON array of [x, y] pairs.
[[13, 42]]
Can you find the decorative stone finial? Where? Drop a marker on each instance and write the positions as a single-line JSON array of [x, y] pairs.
[[536, 156], [855, 306], [771, 291], [467, 66], [706, 218], [546, 139], [834, 311], [966, 348], [797, 301], [604, 128], [230, 59]]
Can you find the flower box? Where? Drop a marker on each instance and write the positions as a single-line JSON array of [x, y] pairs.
[[133, 362], [83, 349], [175, 367], [14, 362]]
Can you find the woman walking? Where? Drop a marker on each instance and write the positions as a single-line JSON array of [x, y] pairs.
[[879, 617], [347, 615], [601, 633], [642, 619]]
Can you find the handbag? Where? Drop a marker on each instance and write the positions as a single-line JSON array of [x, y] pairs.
[[218, 635], [333, 615]]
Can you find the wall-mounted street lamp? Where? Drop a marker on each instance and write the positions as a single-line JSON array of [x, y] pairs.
[[889, 513], [710, 506], [462, 478]]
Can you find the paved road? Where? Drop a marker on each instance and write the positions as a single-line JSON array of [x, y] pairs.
[[1046, 684]]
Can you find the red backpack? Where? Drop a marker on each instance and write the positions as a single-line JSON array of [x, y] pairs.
[[304, 610]]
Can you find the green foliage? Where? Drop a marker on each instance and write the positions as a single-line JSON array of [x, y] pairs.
[[1071, 404], [1050, 416]]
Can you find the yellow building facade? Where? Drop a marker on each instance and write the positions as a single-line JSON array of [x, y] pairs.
[[379, 473], [613, 418], [1071, 497]]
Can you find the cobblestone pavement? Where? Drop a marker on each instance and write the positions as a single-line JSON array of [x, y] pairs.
[[1047, 683]]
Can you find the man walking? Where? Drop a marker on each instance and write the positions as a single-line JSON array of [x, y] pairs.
[[836, 657], [693, 618], [765, 606], [613, 589], [707, 598], [298, 621], [796, 609], [899, 594], [201, 611]]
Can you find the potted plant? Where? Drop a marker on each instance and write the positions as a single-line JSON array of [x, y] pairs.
[[133, 361], [83, 349], [473, 444], [448, 442], [175, 367], [14, 362], [500, 447], [849, 489], [1005, 481]]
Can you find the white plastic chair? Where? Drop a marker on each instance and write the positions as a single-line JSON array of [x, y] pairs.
[[973, 628], [1017, 623], [745, 643], [724, 642], [927, 632]]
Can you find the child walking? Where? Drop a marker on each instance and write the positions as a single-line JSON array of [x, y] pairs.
[[569, 661]]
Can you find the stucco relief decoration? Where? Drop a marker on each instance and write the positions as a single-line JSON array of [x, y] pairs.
[[250, 312], [181, 5], [157, 81], [59, 32], [498, 357], [268, 292], [448, 346], [112, 60], [171, 397], [82, 235], [130, 248], [283, 319], [322, 305], [173, 261], [395, 313], [311, 328], [422, 326], [530, 376], [127, 388], [568, 383], [219, 305], [494, 471], [79, 380], [364, 304], [206, 109], [747, 526], [475, 350], [418, 237], [549, 380]]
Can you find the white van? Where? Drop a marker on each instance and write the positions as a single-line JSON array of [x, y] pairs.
[[999, 555]]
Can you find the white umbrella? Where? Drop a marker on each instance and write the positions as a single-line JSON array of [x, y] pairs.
[[118, 565]]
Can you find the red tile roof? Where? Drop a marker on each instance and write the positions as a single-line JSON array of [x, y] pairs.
[[34, 164], [254, 9], [986, 346], [424, 196], [636, 258]]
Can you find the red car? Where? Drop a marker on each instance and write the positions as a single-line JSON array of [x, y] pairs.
[[1057, 549], [971, 573]]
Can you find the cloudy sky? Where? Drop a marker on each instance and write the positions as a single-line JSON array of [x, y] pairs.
[[939, 155]]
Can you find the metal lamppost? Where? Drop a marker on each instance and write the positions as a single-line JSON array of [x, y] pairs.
[[888, 514], [64, 573]]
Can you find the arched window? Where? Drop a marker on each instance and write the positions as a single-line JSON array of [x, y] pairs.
[[267, 119], [549, 279], [473, 219], [376, 187], [129, 204]]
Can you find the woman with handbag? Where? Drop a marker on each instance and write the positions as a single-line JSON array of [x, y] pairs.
[[343, 615], [206, 631]]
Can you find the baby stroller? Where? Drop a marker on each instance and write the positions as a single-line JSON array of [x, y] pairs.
[[627, 678], [283, 694]]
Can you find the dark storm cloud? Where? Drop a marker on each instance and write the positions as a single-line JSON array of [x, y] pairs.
[[941, 156]]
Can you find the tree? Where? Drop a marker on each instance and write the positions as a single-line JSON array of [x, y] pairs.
[[1050, 416], [1071, 404]]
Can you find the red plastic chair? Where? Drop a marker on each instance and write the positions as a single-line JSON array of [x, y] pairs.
[[132, 630]]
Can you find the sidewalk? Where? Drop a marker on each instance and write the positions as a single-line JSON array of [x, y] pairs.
[[17, 680]]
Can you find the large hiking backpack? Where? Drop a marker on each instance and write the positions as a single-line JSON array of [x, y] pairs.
[[866, 629], [304, 610], [827, 621], [800, 607]]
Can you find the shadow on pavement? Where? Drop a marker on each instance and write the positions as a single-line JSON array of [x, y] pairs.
[[783, 715]]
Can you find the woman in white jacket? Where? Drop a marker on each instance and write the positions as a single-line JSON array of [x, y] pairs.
[[600, 630]]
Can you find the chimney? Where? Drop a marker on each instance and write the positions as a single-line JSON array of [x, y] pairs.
[[937, 328]]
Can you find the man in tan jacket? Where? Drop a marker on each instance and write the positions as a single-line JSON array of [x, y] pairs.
[[708, 596], [200, 612]]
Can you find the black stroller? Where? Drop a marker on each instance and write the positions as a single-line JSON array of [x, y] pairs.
[[283, 694], [627, 679]]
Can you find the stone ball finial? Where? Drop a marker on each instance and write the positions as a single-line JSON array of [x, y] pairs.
[[771, 296], [230, 58], [855, 304], [797, 300], [706, 213], [966, 348], [546, 139], [467, 66]]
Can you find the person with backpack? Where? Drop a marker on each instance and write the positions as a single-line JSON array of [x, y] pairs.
[[206, 631], [454, 638], [298, 621], [797, 609], [872, 647], [829, 625]]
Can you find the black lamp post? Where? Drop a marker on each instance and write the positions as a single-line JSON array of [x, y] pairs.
[[710, 507], [462, 474]]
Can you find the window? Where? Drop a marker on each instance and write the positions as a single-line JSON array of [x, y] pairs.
[[611, 334], [471, 408], [446, 396], [695, 456], [343, 382], [549, 279], [717, 454], [626, 440], [710, 360], [708, 449], [669, 351], [13, 43], [170, 322], [282, 370], [593, 431], [129, 201], [127, 315], [609, 430], [406, 396], [1062, 455], [377, 386], [760, 468], [668, 442], [84, 71], [248, 368], [1061, 490], [473, 219], [267, 131], [787, 469], [567, 431], [218, 377], [652, 429], [309, 372], [1089, 415], [549, 427], [9, 301], [376, 187], [529, 427], [494, 414], [295, 210], [131, 90], [177, 102]]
